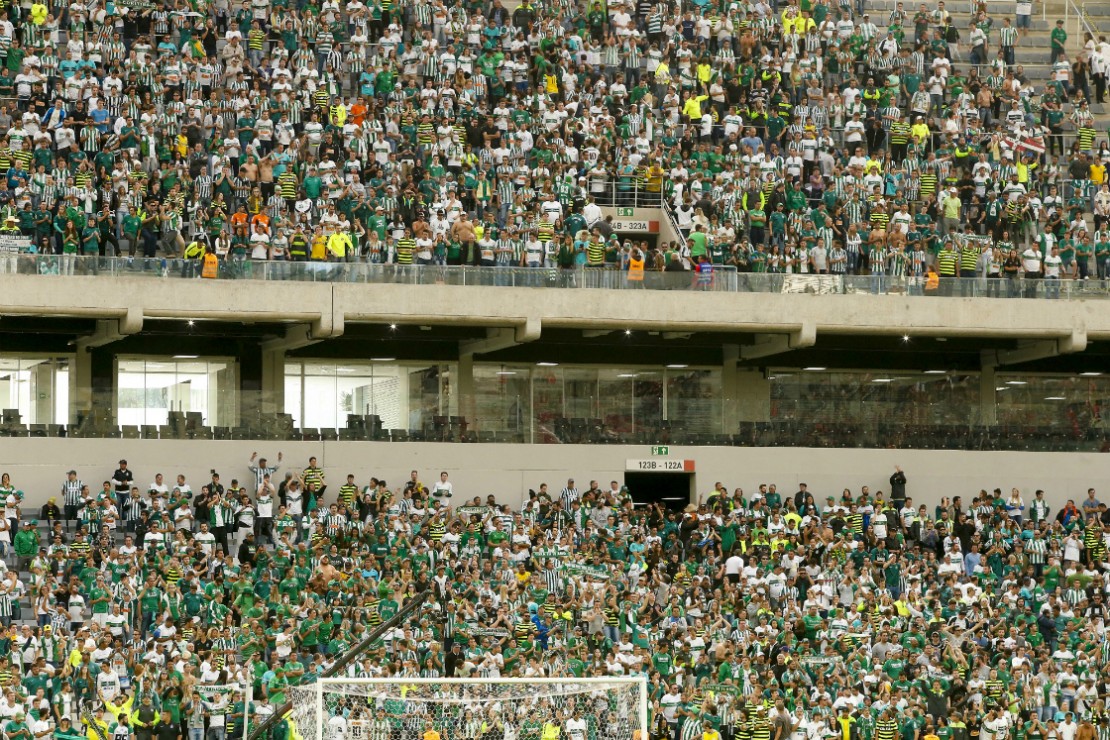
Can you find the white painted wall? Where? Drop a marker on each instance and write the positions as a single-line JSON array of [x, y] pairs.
[[38, 466]]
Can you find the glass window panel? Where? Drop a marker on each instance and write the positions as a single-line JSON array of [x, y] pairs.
[[615, 407], [148, 390], [547, 403], [693, 400], [321, 394], [647, 401], [580, 387], [1066, 403], [36, 387], [502, 402]]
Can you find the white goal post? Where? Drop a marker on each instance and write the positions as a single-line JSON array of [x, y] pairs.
[[401, 708]]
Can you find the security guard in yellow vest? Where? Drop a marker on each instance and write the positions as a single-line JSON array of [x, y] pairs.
[[210, 269], [194, 250]]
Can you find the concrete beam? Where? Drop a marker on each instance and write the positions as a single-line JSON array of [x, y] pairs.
[[775, 344], [584, 309], [329, 325], [501, 338], [296, 337], [1031, 351], [113, 330]]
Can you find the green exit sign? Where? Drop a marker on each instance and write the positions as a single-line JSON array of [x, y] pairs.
[[662, 450], [624, 211]]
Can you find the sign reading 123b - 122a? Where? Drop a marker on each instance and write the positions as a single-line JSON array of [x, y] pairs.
[[659, 465]]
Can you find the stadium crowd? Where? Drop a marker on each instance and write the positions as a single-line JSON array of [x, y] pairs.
[[855, 615], [790, 136]]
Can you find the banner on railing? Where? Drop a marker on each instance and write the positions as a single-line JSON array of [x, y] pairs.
[[12, 243], [814, 284]]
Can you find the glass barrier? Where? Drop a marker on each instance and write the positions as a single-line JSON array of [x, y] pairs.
[[897, 435], [722, 278], [606, 409], [917, 399]]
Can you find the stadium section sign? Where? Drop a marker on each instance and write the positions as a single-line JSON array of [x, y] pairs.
[[659, 466]]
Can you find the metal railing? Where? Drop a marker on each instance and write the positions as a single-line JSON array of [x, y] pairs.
[[723, 278], [629, 194]]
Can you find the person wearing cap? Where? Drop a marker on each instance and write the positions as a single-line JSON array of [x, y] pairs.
[[66, 730], [27, 543], [50, 512]]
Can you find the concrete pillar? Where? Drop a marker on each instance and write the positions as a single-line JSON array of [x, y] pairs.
[[272, 386], [103, 382], [464, 388], [80, 384], [988, 397]]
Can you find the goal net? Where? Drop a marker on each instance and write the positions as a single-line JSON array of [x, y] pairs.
[[470, 708]]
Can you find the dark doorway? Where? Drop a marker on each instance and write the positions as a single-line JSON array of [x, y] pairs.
[[640, 239], [673, 490]]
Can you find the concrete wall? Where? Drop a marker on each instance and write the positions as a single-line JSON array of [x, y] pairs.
[[38, 466], [328, 306]]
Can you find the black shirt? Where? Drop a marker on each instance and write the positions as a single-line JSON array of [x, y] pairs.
[[123, 479]]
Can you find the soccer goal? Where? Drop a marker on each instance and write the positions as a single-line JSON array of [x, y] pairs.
[[471, 708]]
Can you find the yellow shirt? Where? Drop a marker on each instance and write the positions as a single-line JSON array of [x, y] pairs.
[[118, 710], [952, 207], [1098, 173], [692, 107], [92, 734], [430, 735], [319, 247], [920, 130], [338, 244]]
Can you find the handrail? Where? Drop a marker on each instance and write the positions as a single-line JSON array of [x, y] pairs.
[[668, 209], [347, 659], [1081, 18], [1091, 26]]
